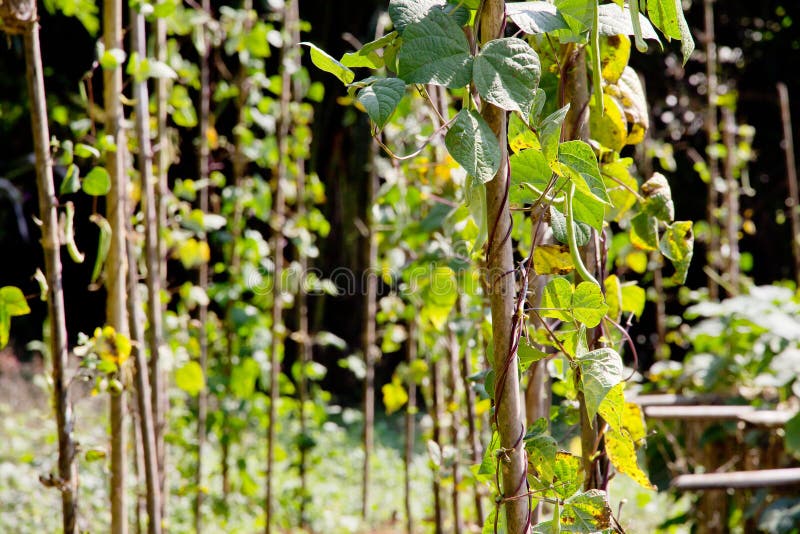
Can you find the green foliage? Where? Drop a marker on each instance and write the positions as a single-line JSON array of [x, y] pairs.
[[12, 304]]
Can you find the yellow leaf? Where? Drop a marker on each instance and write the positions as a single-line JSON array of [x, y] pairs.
[[615, 51], [633, 421], [622, 453], [612, 407], [394, 395], [552, 259], [610, 129]]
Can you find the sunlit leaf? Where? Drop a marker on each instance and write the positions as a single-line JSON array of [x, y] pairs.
[[528, 355], [601, 370], [622, 454], [658, 198], [97, 183], [644, 232], [552, 259], [394, 395], [535, 17], [609, 128], [436, 51], [586, 512], [677, 245], [12, 304], [190, 379], [324, 61], [667, 16], [506, 73], [588, 304]]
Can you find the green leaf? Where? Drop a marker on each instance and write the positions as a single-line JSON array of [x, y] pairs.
[[542, 450], [613, 296], [550, 133], [658, 198], [435, 50], [367, 55], [244, 376], [394, 395], [324, 61], [97, 183], [633, 299], [621, 187], [558, 223], [93, 455], [473, 144], [622, 454], [588, 305], [439, 296], [86, 151], [677, 245], [112, 58], [12, 304], [792, 436], [616, 20], [528, 355], [190, 378], [568, 471], [601, 370], [579, 157], [667, 16], [406, 12], [103, 244], [557, 299], [381, 98], [612, 408], [530, 175], [536, 17], [644, 232], [69, 233], [586, 512], [579, 14], [71, 183], [506, 73]]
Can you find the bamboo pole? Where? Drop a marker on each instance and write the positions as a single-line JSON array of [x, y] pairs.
[[203, 161], [499, 270], [731, 201], [67, 469], [454, 350], [144, 393], [411, 411], [160, 400], [278, 246], [712, 136], [116, 263], [791, 177]]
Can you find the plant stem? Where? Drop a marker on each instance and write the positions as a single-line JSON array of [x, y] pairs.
[[499, 271], [67, 469], [455, 423]]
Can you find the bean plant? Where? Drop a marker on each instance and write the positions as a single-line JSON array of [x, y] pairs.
[[541, 107]]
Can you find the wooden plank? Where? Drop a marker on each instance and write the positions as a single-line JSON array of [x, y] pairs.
[[770, 418], [764, 478], [697, 412], [671, 399]]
